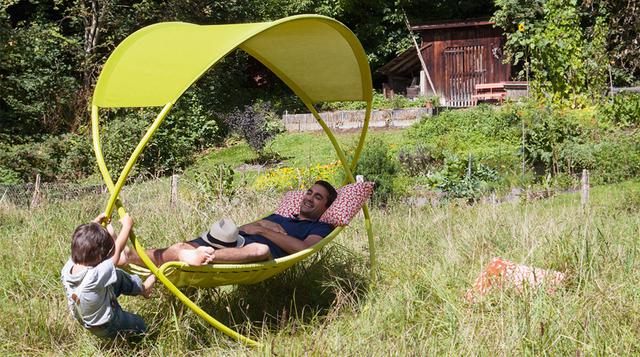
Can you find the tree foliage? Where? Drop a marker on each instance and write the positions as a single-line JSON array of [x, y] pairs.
[[52, 51], [565, 57], [623, 38], [571, 48]]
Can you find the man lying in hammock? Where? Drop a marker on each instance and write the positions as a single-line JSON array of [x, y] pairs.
[[272, 237]]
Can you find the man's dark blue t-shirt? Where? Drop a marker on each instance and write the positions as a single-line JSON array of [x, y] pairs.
[[297, 228]]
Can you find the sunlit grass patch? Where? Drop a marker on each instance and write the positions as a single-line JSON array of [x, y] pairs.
[[428, 257]]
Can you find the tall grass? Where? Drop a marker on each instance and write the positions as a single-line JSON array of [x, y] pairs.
[[428, 257]]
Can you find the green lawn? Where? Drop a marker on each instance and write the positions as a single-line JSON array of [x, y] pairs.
[[428, 257], [297, 149]]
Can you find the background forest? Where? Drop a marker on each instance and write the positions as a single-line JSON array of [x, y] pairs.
[[51, 53]]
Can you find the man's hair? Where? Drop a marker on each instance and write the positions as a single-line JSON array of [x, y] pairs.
[[332, 191], [91, 244]]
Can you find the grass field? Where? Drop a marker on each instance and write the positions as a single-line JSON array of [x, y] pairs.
[[428, 257], [297, 149]]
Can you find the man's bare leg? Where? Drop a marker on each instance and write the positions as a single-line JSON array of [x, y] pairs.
[[180, 252], [199, 256], [193, 254]]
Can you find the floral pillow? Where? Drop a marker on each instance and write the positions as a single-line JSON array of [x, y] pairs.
[[349, 201]]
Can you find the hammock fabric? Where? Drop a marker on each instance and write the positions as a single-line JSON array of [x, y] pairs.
[[317, 57]]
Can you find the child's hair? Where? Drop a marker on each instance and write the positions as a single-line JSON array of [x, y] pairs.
[[91, 244]]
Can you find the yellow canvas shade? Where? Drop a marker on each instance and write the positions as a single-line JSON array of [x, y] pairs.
[[316, 56]]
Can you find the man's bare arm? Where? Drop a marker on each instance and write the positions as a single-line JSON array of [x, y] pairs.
[[265, 224], [286, 242]]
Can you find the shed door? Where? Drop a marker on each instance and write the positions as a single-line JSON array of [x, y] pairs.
[[464, 68]]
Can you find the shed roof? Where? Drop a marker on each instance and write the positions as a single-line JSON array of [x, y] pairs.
[[453, 24], [406, 62]]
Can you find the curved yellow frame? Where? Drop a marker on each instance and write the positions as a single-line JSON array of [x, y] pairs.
[[316, 56]]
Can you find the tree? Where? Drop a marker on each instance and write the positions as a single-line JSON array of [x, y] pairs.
[[566, 60], [623, 39]]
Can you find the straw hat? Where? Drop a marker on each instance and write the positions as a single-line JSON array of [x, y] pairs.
[[223, 234]]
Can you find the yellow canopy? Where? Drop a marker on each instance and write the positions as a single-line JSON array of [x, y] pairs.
[[316, 56]]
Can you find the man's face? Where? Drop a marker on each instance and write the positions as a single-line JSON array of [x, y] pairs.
[[314, 202]]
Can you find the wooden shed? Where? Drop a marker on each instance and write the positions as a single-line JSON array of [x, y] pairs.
[[458, 55]]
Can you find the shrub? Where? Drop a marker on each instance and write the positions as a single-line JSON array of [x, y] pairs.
[[9, 176], [53, 157], [289, 178], [377, 164], [612, 159], [119, 138], [257, 124], [548, 130], [557, 142], [78, 159], [214, 181], [624, 110], [463, 178], [490, 135], [187, 130], [419, 160]]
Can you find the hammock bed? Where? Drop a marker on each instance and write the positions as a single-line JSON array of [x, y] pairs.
[[317, 57]]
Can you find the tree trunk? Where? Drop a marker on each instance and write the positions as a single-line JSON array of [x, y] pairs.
[[92, 16]]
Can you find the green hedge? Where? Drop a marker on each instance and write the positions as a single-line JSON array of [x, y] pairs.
[[186, 131]]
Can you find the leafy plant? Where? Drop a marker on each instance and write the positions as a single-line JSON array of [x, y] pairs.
[[257, 124], [215, 181], [623, 110], [564, 51], [547, 131], [418, 160], [463, 178], [377, 164]]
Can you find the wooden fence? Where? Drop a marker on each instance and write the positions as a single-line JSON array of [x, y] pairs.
[[32, 195]]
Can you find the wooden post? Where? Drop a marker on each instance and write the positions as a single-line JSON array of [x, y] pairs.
[[610, 82], [174, 190], [524, 156], [4, 194], [36, 192], [585, 188], [415, 44]]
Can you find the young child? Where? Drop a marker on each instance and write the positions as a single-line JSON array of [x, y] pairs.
[[92, 283]]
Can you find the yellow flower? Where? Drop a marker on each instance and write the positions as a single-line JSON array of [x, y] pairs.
[[521, 27]]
